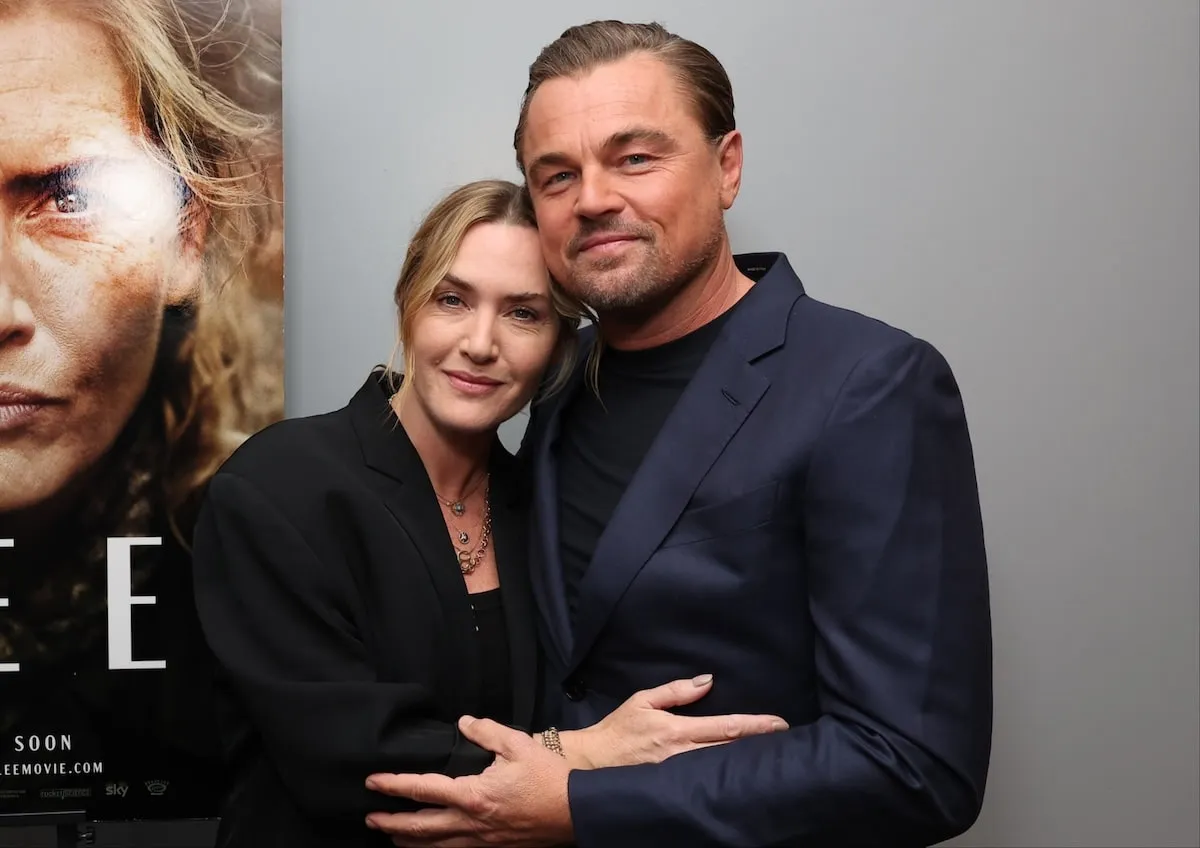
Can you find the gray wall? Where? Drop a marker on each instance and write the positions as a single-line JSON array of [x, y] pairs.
[[1015, 181]]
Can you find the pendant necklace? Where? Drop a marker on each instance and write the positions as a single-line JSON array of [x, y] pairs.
[[458, 507]]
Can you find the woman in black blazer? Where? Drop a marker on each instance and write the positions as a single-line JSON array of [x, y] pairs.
[[361, 575]]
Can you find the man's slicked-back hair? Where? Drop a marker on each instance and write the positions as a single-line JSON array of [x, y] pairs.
[[581, 49]]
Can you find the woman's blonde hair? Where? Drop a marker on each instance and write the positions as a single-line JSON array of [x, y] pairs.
[[432, 252]]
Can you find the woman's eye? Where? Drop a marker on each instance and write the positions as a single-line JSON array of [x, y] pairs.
[[67, 199], [70, 202]]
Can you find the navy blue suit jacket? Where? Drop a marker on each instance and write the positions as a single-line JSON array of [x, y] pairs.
[[806, 527]]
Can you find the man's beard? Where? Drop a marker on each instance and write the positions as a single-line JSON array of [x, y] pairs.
[[617, 285]]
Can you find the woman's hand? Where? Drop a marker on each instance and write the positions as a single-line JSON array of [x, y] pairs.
[[642, 731]]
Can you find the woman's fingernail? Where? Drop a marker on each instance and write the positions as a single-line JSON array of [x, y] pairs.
[[702, 680]]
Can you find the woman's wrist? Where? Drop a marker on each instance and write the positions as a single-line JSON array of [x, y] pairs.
[[575, 748]]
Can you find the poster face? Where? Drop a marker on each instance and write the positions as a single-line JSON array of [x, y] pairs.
[[141, 340]]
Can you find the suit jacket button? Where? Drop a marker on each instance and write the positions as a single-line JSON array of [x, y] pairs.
[[574, 688]]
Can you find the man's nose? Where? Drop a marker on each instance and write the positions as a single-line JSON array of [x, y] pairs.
[[597, 195]]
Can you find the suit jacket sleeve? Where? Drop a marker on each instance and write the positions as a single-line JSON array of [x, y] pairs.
[[899, 597], [278, 619]]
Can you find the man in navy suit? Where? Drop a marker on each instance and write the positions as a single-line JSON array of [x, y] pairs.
[[755, 485]]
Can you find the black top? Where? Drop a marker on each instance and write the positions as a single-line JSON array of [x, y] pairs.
[[495, 691], [330, 593], [604, 438]]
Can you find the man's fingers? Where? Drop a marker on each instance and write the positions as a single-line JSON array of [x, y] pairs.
[[492, 736], [425, 828], [420, 826], [728, 727], [676, 693], [426, 788]]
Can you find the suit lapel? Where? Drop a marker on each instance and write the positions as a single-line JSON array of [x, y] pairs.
[[717, 401], [693, 436], [404, 487], [547, 572]]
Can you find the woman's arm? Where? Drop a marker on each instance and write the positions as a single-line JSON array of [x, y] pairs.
[[276, 617], [643, 730]]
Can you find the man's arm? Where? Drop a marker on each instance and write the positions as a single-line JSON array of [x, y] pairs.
[[899, 596]]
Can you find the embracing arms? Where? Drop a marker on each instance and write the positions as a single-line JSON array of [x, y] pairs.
[[282, 622]]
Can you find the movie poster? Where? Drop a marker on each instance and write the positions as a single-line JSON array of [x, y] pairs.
[[141, 341]]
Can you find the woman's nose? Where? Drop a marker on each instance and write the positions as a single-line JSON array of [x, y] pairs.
[[16, 316], [479, 344]]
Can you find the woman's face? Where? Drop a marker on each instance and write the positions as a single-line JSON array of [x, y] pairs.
[[480, 347], [91, 253]]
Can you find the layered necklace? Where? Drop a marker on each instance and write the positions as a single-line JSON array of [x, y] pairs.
[[469, 558]]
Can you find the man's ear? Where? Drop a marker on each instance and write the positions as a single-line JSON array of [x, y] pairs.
[[729, 156], [187, 274]]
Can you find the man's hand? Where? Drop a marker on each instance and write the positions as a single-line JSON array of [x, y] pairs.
[[521, 799]]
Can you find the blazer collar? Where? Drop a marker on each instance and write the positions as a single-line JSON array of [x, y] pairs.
[[759, 322], [387, 448]]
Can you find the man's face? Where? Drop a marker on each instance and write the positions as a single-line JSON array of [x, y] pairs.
[[629, 193]]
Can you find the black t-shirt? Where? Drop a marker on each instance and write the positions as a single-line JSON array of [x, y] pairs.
[[605, 438]]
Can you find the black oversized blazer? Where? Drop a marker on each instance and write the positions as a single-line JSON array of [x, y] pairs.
[[329, 591]]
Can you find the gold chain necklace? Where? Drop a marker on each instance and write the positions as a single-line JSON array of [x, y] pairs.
[[468, 560]]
